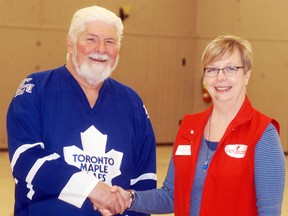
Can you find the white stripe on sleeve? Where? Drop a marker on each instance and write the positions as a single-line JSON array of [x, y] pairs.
[[78, 188], [35, 169], [22, 149], [146, 176]]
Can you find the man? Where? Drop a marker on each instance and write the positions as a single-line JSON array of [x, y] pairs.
[[73, 132]]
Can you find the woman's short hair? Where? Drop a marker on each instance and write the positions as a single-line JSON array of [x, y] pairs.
[[226, 44]]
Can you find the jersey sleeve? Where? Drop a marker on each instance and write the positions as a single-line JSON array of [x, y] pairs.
[[144, 158], [157, 201], [34, 167], [144, 177]]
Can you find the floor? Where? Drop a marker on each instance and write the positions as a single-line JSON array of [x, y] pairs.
[[163, 156]]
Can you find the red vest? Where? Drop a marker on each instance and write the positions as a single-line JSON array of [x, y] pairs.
[[229, 187]]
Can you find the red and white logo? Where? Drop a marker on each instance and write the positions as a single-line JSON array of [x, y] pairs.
[[236, 150]]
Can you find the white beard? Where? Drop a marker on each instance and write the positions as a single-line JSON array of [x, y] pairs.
[[94, 73]]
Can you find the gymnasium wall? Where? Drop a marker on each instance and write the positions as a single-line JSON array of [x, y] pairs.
[[160, 53]]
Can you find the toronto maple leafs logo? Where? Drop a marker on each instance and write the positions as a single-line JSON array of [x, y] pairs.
[[93, 158]]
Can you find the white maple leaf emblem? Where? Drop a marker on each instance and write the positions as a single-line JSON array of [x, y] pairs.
[[93, 158]]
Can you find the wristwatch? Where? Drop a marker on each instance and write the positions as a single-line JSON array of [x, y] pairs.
[[132, 198]]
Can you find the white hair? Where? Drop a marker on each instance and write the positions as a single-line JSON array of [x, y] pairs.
[[94, 13]]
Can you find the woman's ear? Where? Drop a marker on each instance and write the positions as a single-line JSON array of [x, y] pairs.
[[247, 74]]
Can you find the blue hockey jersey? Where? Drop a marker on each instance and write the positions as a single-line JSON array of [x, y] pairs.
[[60, 147]]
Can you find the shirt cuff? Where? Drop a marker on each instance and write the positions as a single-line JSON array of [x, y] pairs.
[[78, 188]]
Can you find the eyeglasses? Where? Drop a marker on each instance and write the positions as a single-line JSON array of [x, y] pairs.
[[228, 71]]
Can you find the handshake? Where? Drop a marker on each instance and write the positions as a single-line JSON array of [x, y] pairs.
[[110, 200]]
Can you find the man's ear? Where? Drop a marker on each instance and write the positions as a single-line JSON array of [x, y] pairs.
[[69, 45]]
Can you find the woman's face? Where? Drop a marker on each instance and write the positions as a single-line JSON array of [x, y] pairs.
[[224, 88]]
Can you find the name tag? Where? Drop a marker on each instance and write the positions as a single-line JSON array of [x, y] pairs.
[[236, 150], [183, 150]]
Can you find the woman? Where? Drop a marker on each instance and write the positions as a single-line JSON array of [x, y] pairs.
[[227, 160]]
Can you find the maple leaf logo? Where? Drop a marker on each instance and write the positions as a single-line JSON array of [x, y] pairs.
[[93, 158]]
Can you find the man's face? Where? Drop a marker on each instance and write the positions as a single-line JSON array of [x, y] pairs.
[[95, 53]]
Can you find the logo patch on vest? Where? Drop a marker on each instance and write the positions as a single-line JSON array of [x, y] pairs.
[[236, 150], [183, 150]]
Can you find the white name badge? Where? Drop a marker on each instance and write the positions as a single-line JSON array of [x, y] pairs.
[[183, 150]]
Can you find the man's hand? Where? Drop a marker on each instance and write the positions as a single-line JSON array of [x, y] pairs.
[[124, 194], [104, 212], [103, 198]]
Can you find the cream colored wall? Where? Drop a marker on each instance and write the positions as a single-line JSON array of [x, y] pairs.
[[33, 38], [158, 36], [264, 24]]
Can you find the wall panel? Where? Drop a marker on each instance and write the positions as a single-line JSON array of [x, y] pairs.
[[268, 85], [171, 85], [158, 34], [19, 57], [157, 73], [35, 40], [261, 19], [20, 13], [214, 17], [263, 24]]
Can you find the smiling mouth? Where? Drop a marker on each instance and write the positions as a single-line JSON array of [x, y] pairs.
[[98, 59], [223, 88]]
